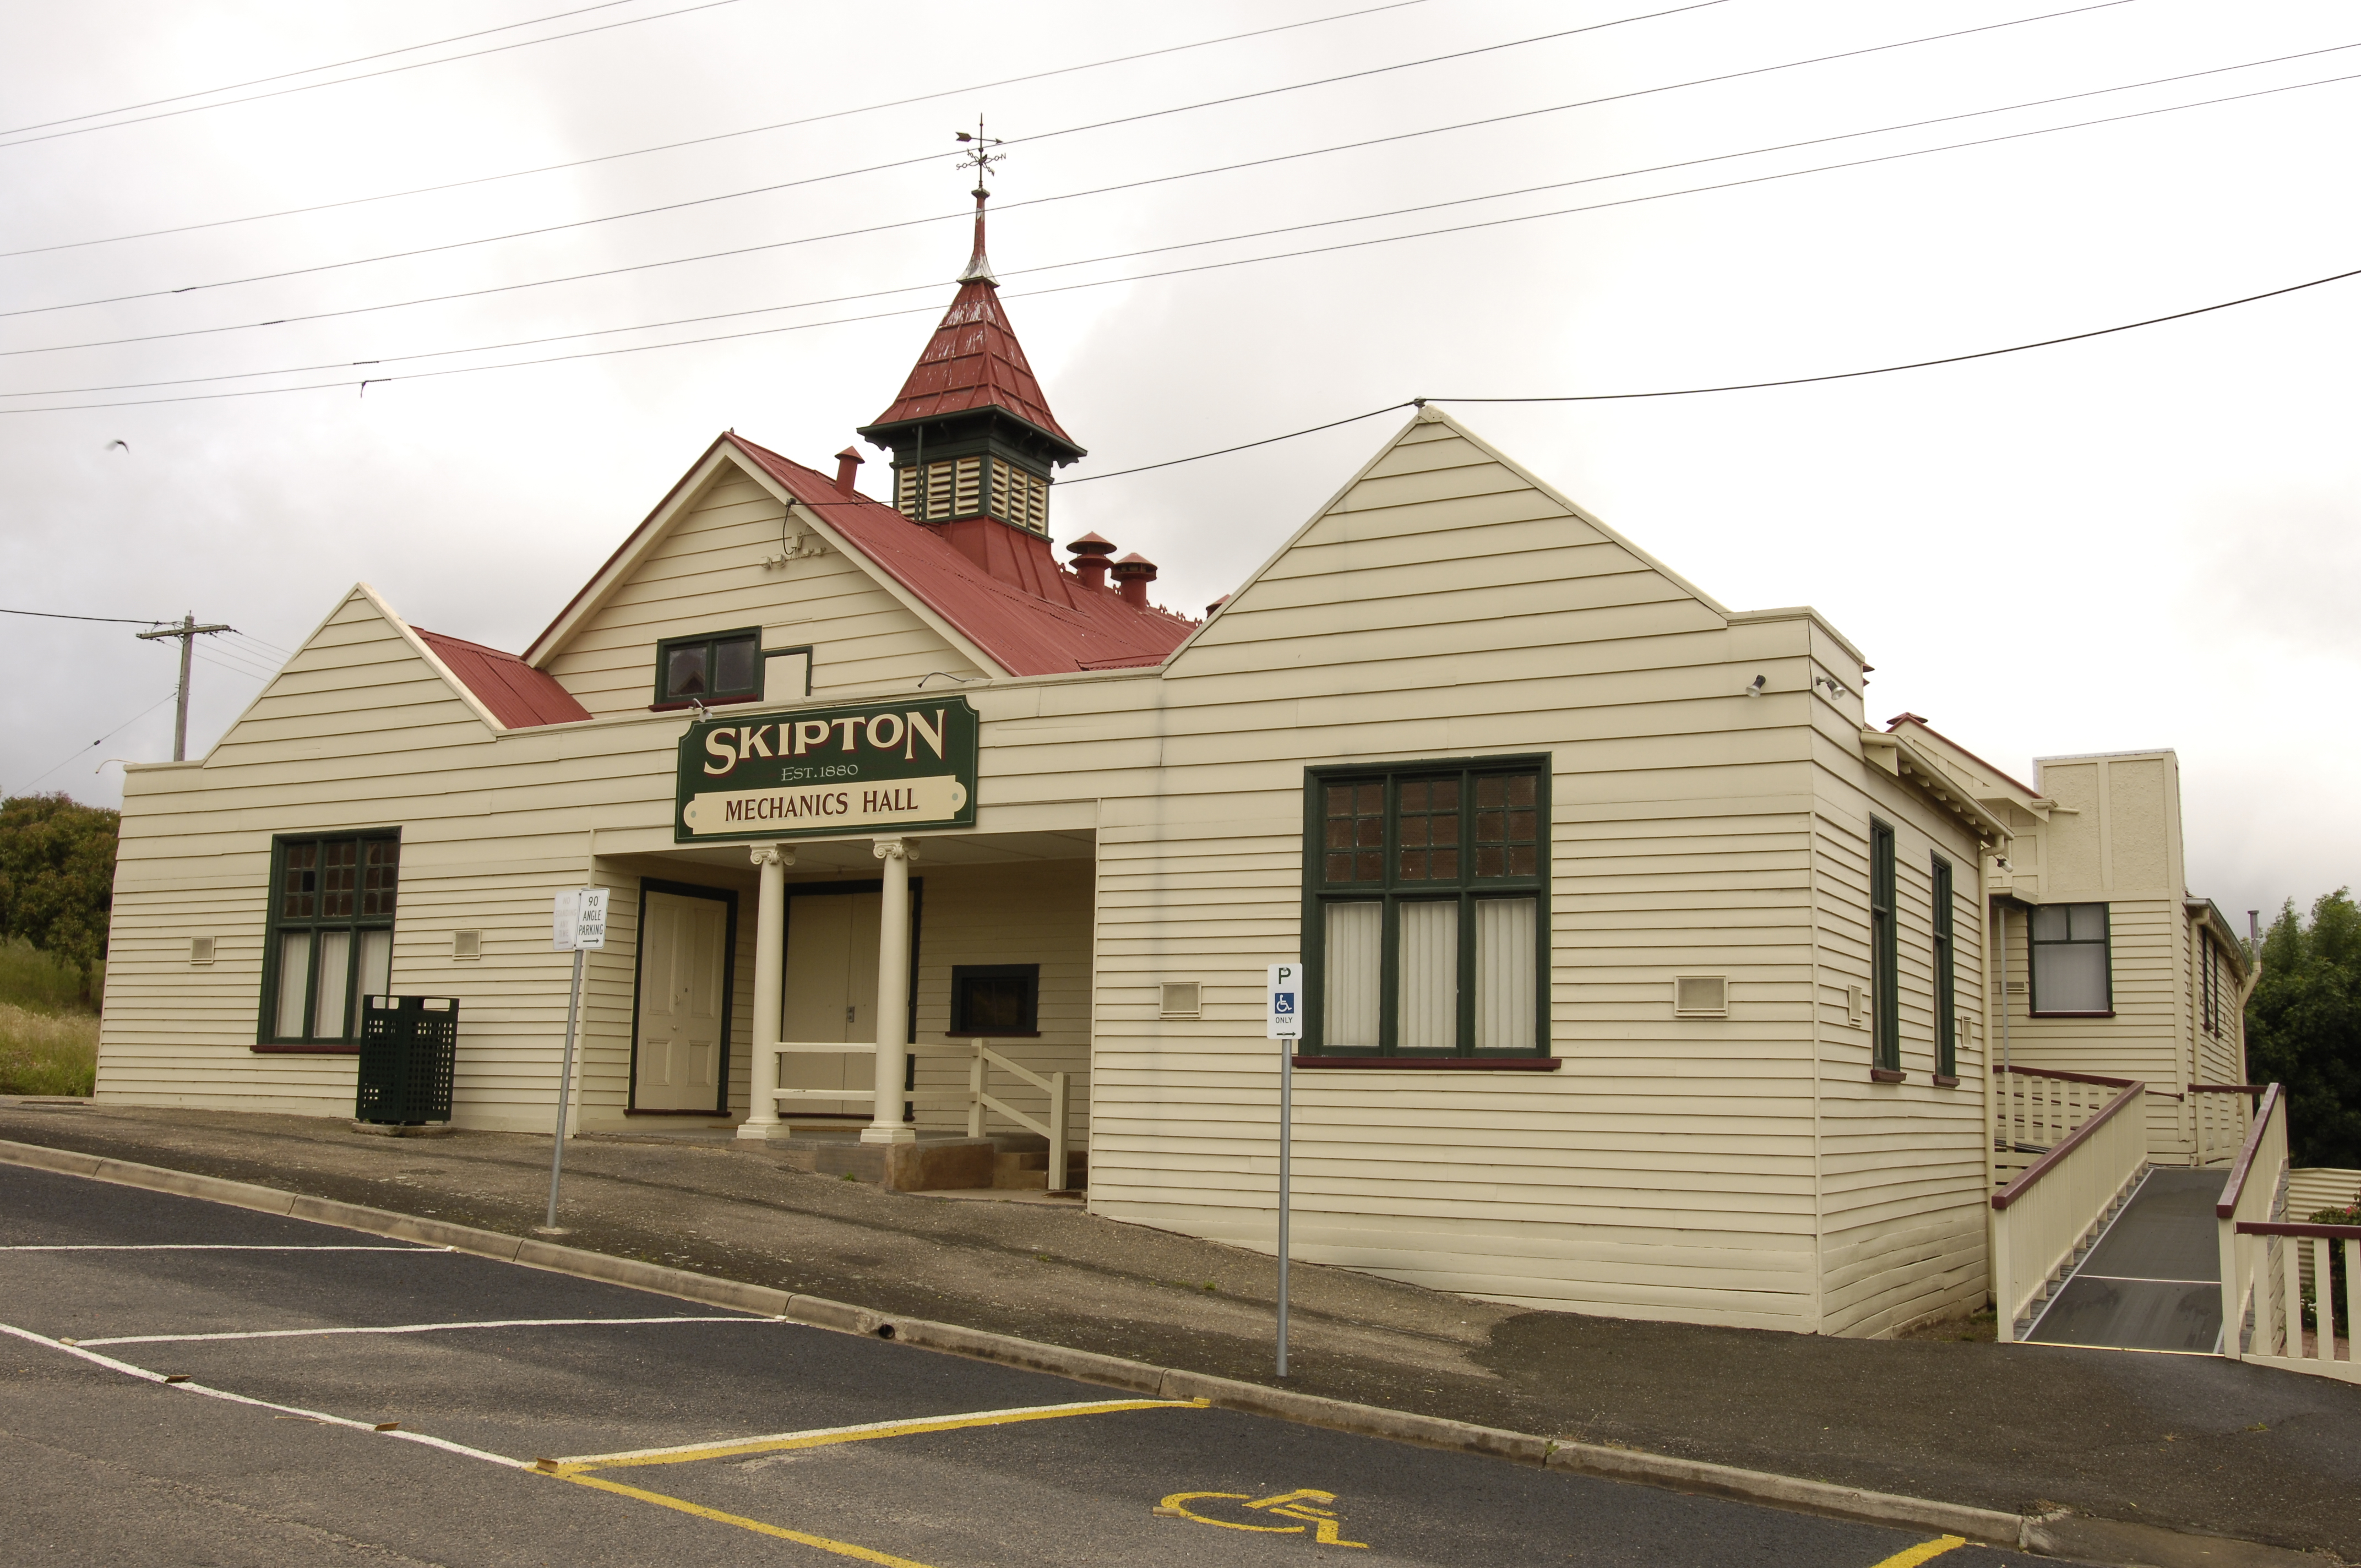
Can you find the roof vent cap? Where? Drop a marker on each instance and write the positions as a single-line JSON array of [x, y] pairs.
[[1132, 576]]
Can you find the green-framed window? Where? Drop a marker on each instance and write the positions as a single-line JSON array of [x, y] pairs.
[[2209, 975], [330, 937], [2072, 972], [1947, 1017], [710, 667], [1885, 951], [1426, 909]]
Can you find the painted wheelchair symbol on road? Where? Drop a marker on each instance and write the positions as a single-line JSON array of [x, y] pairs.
[[1323, 1524]]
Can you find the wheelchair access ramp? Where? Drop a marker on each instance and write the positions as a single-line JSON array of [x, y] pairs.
[[2152, 1280]]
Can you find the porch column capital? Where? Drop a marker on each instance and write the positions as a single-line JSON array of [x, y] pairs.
[[771, 854], [895, 850]]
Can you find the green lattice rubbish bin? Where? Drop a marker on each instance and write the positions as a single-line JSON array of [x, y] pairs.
[[409, 1048]]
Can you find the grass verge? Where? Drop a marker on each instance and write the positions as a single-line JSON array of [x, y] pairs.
[[48, 1040]]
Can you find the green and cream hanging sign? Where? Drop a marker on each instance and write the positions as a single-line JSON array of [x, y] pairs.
[[877, 767]]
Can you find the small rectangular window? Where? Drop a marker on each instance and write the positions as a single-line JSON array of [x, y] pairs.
[[2071, 964], [1947, 1022], [1424, 919], [1885, 951], [714, 666], [2209, 974], [331, 938], [995, 999]]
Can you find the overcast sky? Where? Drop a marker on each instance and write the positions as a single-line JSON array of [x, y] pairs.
[[2146, 540]]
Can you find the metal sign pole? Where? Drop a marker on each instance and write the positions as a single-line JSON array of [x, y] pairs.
[[577, 921], [1286, 1138], [565, 1083], [1284, 1023]]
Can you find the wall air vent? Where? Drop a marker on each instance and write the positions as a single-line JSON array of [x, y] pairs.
[[466, 944], [1701, 996], [200, 950], [1180, 999]]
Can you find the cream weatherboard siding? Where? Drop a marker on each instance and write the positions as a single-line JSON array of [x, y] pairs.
[[1147, 827], [1448, 605]]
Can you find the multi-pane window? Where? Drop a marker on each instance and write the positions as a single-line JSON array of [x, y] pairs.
[[1947, 1019], [2209, 979], [1885, 951], [331, 935], [720, 666], [2071, 973], [1423, 914]]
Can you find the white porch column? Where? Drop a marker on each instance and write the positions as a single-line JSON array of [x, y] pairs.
[[770, 952], [893, 994]]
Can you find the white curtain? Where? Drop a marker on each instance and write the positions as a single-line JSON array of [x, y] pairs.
[[336, 973], [1350, 976], [376, 962], [1428, 1003], [294, 973], [1504, 973]]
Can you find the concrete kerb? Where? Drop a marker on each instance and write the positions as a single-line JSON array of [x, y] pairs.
[[1987, 1525]]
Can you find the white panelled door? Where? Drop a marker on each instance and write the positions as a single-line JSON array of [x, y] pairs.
[[683, 950], [832, 992]]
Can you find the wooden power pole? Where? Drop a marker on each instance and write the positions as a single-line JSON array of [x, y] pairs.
[[188, 632]]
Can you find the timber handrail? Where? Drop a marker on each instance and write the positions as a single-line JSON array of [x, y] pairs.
[[2074, 1140], [980, 1057], [2229, 1088], [820, 1049], [2244, 1164], [2069, 1077], [2299, 1228]]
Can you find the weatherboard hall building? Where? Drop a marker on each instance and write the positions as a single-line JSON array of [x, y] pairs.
[[1644, 978]]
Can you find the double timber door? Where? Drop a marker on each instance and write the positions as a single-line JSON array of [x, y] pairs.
[[680, 1047], [832, 992]]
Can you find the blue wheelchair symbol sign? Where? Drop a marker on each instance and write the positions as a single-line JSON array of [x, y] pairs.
[[1284, 1003]]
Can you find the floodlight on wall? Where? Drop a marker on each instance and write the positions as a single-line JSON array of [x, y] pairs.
[[1755, 687]]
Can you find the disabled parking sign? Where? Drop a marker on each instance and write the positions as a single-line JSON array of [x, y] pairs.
[[1285, 1019]]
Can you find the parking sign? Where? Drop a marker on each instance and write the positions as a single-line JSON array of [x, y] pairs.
[[1285, 1021]]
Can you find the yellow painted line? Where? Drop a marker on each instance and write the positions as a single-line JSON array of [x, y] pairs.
[[821, 1437], [1911, 1556], [841, 1548]]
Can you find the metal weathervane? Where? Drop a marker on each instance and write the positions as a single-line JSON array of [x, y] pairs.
[[979, 155]]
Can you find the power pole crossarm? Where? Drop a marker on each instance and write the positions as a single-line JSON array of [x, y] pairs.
[[188, 632]]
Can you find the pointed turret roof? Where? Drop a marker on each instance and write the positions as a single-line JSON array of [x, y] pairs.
[[973, 361]]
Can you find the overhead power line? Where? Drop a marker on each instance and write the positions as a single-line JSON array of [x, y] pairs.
[[1735, 385], [311, 69], [1045, 136], [1152, 180], [724, 135], [27, 786], [1131, 278], [110, 619], [364, 76]]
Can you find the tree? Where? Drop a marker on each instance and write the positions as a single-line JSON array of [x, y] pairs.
[[57, 877], [2304, 1028]]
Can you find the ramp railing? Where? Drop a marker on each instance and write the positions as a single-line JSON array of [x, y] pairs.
[[2036, 1109], [867, 1093], [2048, 1217], [2221, 1114], [2262, 1304], [978, 1098]]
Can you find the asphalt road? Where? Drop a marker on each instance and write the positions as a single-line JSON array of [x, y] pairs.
[[520, 1410]]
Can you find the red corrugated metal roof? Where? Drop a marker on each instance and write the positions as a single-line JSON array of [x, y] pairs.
[[519, 695], [1025, 634], [973, 361]]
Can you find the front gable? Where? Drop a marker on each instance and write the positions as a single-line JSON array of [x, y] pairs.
[[729, 550]]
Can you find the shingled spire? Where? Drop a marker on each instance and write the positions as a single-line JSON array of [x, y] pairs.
[[973, 440]]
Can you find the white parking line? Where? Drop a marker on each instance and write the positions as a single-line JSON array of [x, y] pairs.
[[416, 1329], [211, 1392], [212, 1247]]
